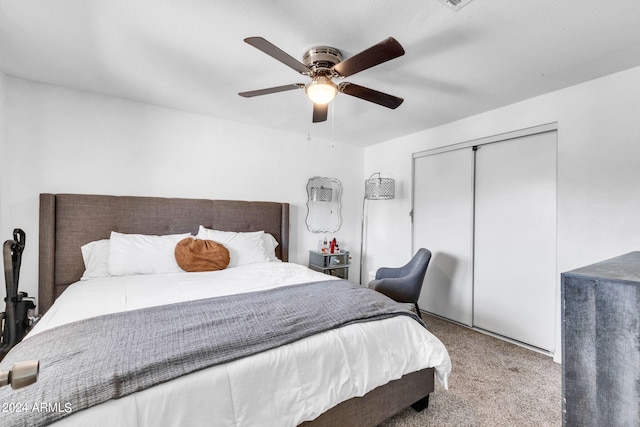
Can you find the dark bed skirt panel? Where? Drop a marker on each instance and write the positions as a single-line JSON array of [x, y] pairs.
[[379, 404]]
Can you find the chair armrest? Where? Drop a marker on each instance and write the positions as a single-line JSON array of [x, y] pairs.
[[391, 287], [387, 273]]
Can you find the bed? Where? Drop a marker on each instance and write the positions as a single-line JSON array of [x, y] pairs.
[[356, 387]]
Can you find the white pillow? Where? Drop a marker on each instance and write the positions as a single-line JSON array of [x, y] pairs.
[[96, 259], [270, 245], [244, 248], [143, 254]]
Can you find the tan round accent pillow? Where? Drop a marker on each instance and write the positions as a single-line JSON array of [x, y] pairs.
[[201, 255]]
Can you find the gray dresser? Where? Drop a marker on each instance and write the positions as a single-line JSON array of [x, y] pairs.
[[601, 343]]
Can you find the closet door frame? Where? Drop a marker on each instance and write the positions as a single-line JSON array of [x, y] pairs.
[[548, 127]]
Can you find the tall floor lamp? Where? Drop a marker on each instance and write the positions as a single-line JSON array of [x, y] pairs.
[[374, 189]]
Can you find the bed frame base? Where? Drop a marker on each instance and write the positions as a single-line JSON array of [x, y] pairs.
[[380, 403]]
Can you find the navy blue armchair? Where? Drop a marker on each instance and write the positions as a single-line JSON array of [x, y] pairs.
[[403, 284]]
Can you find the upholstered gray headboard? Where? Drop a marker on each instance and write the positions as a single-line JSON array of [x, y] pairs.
[[68, 221]]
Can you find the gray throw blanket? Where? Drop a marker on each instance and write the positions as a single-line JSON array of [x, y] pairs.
[[91, 361]]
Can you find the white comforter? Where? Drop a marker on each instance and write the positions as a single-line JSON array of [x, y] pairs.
[[280, 387]]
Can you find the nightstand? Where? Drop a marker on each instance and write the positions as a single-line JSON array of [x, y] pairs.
[[336, 264]]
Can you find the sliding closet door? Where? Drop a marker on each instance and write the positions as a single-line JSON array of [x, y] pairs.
[[515, 239], [442, 223]]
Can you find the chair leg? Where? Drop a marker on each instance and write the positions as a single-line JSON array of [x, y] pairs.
[[418, 310]]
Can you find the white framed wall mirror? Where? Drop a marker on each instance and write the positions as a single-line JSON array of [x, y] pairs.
[[323, 204]]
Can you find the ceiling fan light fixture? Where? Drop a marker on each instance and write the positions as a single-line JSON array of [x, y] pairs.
[[321, 90]]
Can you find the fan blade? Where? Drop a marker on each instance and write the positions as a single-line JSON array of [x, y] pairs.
[[275, 52], [320, 112], [382, 52], [269, 90], [370, 95]]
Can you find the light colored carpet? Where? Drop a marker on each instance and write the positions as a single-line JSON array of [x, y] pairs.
[[493, 383]]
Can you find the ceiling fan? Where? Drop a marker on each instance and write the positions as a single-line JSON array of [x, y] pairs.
[[324, 63]]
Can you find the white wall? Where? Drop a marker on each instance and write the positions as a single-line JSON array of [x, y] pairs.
[[61, 140], [3, 154], [598, 171]]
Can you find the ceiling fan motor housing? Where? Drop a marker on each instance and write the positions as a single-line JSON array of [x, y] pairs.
[[321, 58]]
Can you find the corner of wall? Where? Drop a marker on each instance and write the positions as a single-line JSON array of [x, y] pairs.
[[3, 136], [3, 156]]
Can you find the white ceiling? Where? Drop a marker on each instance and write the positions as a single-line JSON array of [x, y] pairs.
[[190, 55]]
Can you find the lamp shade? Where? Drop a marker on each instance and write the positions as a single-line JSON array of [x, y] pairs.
[[379, 188]]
